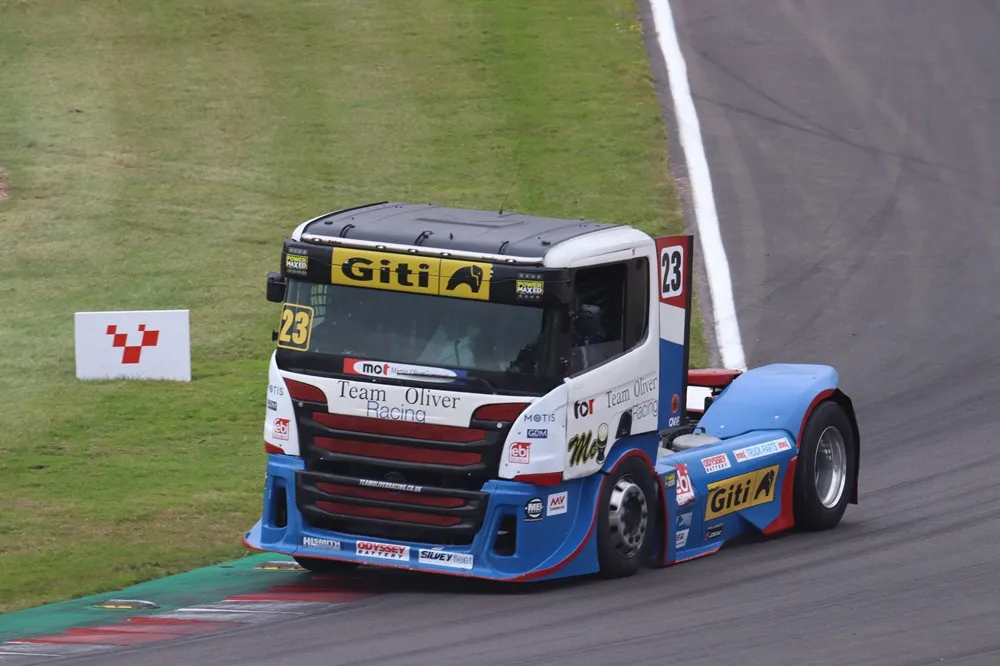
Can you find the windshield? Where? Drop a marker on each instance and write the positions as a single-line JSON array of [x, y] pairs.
[[478, 337]]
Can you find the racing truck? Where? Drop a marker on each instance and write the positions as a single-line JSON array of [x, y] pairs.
[[506, 396]]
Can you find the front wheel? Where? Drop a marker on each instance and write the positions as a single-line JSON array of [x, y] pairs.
[[626, 519], [320, 566], [826, 468]]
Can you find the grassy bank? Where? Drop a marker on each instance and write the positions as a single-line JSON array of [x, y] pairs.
[[155, 156]]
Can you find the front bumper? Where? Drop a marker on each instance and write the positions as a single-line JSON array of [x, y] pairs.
[[508, 546]]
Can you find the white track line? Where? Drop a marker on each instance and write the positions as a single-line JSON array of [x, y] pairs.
[[727, 328]]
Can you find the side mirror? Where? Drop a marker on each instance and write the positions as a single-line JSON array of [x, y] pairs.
[[275, 288]]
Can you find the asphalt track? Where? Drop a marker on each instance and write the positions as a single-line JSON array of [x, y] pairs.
[[854, 150]]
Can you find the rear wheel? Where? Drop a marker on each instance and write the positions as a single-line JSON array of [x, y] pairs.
[[825, 469], [321, 566], [626, 519]]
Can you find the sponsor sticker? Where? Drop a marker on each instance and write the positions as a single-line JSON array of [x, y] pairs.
[[412, 407], [714, 531], [540, 418], [716, 463], [670, 479], [685, 491], [762, 450], [272, 405], [681, 539], [533, 509], [296, 264], [390, 485], [353, 366], [583, 448], [737, 493], [275, 390], [538, 433], [557, 504], [445, 559], [409, 273], [583, 408], [520, 453], [281, 428], [382, 551], [325, 544], [531, 290], [684, 520]]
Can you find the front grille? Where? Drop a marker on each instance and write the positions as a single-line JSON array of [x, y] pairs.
[[368, 507], [347, 456]]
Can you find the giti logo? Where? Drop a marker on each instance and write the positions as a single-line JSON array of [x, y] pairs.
[[401, 272], [741, 492]]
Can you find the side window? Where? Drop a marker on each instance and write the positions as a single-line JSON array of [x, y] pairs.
[[599, 326], [612, 311], [637, 305]]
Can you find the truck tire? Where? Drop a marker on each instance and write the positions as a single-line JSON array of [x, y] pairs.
[[826, 468], [626, 519], [320, 566]]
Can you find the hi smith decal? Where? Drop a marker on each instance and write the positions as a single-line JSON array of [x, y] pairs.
[[403, 272]]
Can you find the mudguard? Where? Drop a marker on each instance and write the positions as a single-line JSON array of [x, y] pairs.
[[771, 397]]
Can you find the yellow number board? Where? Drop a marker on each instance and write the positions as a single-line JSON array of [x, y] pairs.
[[296, 327], [411, 273], [741, 492]]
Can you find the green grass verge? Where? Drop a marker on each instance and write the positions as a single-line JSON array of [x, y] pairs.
[[157, 153]]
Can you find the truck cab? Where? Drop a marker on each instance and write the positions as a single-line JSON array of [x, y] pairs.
[[473, 392]]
